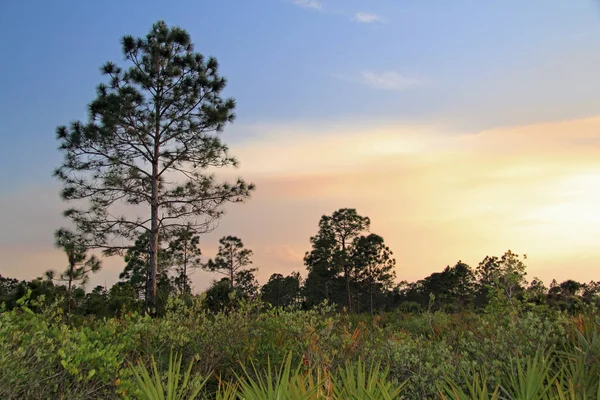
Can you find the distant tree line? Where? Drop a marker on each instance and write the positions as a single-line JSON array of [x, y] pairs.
[[347, 266]]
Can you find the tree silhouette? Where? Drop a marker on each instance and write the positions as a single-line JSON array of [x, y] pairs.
[[136, 268], [331, 243], [323, 267], [506, 274], [373, 263], [231, 258], [184, 254], [80, 264], [152, 134], [281, 291], [246, 284]]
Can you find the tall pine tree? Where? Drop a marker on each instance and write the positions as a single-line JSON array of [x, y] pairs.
[[329, 255], [374, 264], [142, 160]]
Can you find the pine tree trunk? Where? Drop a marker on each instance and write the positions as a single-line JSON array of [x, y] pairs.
[[355, 299], [185, 282], [183, 277], [371, 294], [348, 293], [152, 265], [69, 292], [347, 275], [231, 269], [151, 287]]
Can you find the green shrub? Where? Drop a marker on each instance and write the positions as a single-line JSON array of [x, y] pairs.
[[438, 355]]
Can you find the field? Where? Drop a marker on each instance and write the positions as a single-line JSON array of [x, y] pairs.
[[520, 351]]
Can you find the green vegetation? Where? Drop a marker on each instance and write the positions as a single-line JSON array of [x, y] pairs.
[[252, 351]]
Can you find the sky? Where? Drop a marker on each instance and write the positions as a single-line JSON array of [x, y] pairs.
[[462, 128]]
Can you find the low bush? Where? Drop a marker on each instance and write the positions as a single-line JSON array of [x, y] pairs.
[[250, 351]]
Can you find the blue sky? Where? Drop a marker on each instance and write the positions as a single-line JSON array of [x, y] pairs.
[[317, 66], [286, 60]]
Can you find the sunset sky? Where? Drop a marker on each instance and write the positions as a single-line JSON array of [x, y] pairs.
[[461, 128]]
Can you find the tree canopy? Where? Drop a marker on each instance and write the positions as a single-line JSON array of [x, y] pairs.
[[231, 260], [143, 160]]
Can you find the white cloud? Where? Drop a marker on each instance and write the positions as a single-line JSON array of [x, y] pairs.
[[317, 5], [310, 4], [388, 80], [366, 18]]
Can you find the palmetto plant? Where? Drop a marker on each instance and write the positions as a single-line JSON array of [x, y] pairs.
[[354, 381], [278, 385], [477, 389], [541, 377], [581, 361], [530, 378], [175, 388], [569, 391]]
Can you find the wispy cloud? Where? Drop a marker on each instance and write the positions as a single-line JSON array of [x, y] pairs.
[[310, 4], [388, 80], [366, 18], [359, 17]]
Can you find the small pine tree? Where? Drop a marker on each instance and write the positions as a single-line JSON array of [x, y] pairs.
[[231, 258], [80, 264]]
